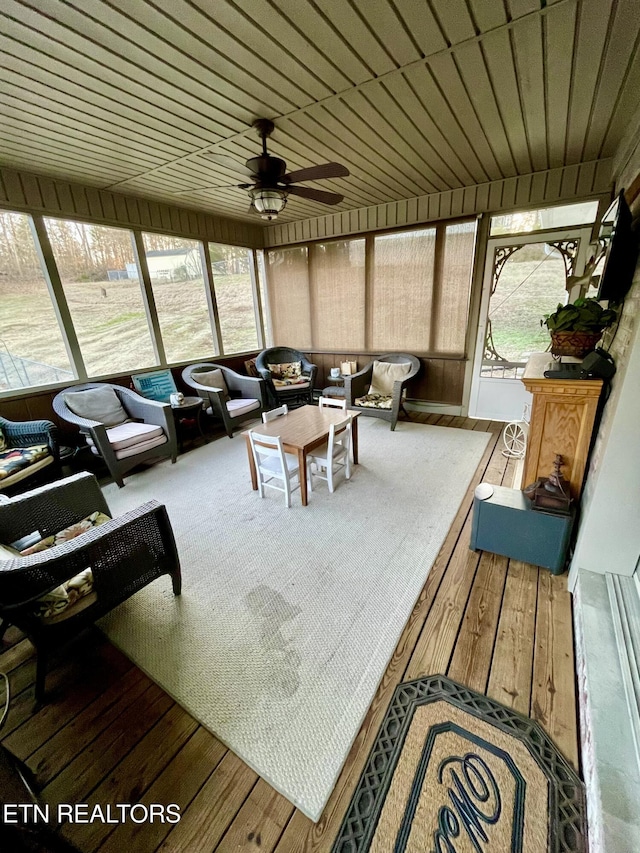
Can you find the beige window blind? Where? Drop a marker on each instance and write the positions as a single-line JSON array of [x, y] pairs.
[[402, 290], [289, 298], [451, 307], [337, 280]]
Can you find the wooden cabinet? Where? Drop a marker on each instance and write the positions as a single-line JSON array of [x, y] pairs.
[[562, 418]]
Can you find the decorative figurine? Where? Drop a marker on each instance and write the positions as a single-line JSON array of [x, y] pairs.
[[551, 494]]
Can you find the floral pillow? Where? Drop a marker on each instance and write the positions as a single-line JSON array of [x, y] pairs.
[[93, 520], [63, 596], [287, 373]]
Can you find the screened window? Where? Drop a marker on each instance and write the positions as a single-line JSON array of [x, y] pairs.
[[180, 296], [233, 284], [99, 276], [32, 349]]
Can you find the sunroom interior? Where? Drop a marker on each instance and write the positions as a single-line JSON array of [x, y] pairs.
[[483, 143]]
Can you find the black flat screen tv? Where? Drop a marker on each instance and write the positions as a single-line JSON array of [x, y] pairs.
[[621, 253]]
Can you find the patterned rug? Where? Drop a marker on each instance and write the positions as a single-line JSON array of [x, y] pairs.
[[288, 617], [452, 771]]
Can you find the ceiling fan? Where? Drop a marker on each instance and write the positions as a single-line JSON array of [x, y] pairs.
[[271, 184]]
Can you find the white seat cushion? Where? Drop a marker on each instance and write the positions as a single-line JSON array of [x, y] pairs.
[[126, 435], [137, 448], [241, 406]]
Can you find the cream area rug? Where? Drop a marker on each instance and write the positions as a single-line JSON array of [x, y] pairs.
[[288, 617]]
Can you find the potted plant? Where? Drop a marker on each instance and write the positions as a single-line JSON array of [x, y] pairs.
[[577, 327]]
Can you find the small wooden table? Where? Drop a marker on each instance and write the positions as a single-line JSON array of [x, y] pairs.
[[301, 431], [190, 408]]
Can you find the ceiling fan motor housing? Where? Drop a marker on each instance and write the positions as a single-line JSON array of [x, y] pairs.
[[266, 168]]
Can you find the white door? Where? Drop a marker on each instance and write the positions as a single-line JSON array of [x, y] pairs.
[[525, 277]]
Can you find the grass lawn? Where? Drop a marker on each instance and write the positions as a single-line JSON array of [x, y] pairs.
[[111, 324], [516, 308]]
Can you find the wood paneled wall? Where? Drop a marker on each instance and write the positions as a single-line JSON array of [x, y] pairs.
[[441, 380], [39, 194], [564, 184]]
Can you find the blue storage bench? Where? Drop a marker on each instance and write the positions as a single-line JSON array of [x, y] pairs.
[[505, 524]]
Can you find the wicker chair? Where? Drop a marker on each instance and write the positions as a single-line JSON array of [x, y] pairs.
[[243, 399], [23, 435], [138, 409], [357, 386], [125, 554], [291, 394]]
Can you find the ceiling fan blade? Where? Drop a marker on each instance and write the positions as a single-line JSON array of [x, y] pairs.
[[312, 173], [316, 195]]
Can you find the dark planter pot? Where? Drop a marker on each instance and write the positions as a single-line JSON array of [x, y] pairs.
[[577, 344]]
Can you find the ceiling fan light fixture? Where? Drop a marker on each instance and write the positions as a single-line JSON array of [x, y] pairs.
[[268, 202]]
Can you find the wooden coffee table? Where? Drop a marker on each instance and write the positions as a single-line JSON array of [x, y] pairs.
[[301, 431]]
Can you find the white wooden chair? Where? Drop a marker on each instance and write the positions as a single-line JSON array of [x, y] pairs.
[[272, 463], [275, 413], [332, 403], [333, 456]]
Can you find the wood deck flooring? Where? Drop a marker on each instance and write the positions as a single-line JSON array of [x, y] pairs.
[[110, 735]]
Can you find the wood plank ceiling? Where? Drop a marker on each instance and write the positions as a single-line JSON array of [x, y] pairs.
[[413, 96]]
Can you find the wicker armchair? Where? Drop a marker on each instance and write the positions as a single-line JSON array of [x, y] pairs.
[[292, 395], [138, 409], [24, 435], [124, 554], [357, 386], [243, 398]]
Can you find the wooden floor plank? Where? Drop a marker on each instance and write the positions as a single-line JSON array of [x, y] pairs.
[[259, 823], [212, 811], [16, 655], [445, 420], [112, 736], [108, 666], [435, 644], [90, 766], [553, 700], [458, 422], [178, 784], [130, 779], [53, 756], [511, 667], [471, 661]]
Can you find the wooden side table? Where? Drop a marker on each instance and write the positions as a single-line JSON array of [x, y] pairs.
[[336, 389], [189, 409], [562, 418]]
